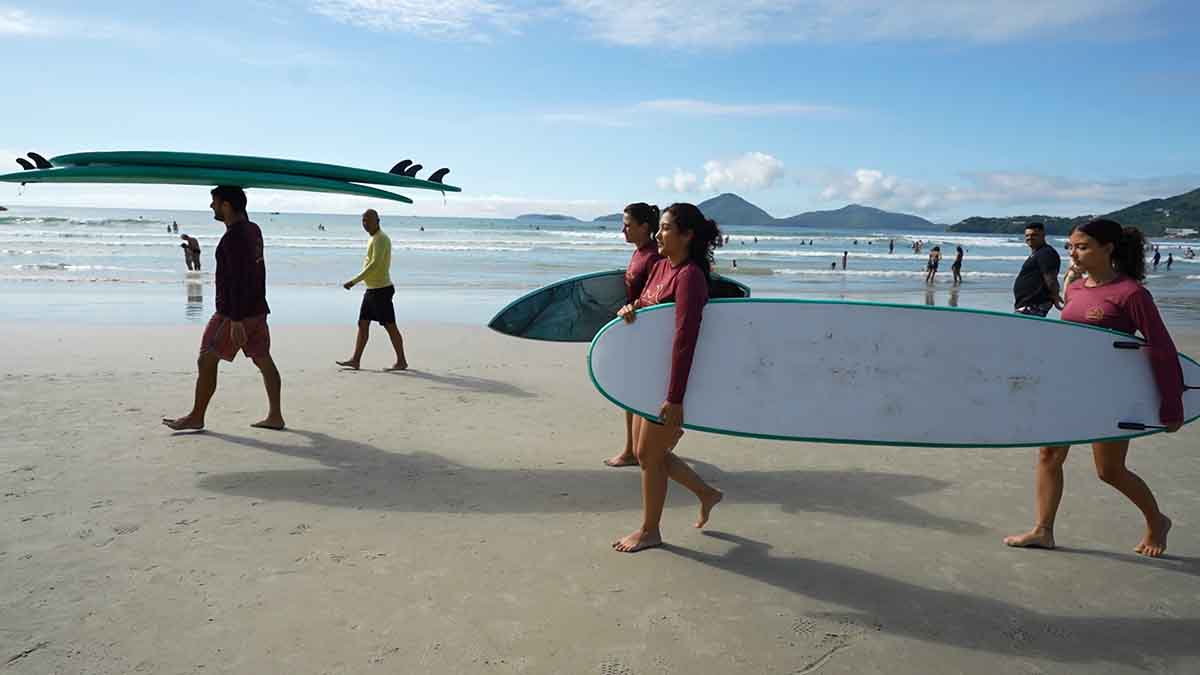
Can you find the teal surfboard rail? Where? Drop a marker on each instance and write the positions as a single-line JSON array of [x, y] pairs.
[[248, 163], [166, 175], [575, 308], [653, 415]]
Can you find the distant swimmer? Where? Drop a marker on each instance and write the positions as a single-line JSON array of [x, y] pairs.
[[956, 268], [845, 256], [931, 267], [640, 225], [686, 240], [377, 300], [240, 322], [191, 252]]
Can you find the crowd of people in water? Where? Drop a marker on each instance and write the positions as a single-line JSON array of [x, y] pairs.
[[672, 262]]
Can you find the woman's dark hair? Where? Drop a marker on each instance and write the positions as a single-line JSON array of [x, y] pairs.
[[233, 195], [937, 248], [644, 213], [1129, 246], [706, 236]]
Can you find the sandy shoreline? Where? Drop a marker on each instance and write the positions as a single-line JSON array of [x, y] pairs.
[[460, 521]]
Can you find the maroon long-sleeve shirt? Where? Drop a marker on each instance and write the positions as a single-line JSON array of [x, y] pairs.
[[241, 272], [638, 270], [1125, 305], [687, 287]]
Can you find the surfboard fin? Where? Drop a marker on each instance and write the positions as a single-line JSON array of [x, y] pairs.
[[411, 171], [39, 161], [25, 164], [437, 176], [400, 167]]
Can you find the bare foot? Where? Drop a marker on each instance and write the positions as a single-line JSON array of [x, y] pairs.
[[399, 365], [707, 502], [1154, 543], [638, 540], [623, 459], [273, 422], [1038, 537], [185, 423], [351, 364]]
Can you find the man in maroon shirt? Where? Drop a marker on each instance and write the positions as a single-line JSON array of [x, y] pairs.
[[240, 322]]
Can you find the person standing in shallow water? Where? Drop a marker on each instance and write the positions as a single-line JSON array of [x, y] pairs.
[[240, 322], [686, 240], [640, 225], [956, 268], [1111, 296], [377, 300]]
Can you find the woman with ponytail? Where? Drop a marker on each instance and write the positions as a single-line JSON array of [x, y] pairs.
[[1104, 289], [640, 225], [686, 240]]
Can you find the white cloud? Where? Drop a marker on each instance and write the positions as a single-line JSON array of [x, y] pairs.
[[17, 22], [627, 116], [751, 171], [455, 19], [727, 23], [996, 188], [680, 181]]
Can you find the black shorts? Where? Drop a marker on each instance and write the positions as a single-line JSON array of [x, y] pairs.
[[377, 305]]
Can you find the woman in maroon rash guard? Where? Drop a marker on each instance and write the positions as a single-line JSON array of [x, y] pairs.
[[686, 240], [1112, 296], [640, 228]]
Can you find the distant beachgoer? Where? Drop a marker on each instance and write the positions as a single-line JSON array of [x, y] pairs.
[[845, 255], [1157, 257], [833, 265], [1189, 253], [892, 246], [377, 300], [1111, 296], [174, 227], [856, 242], [191, 252], [1035, 290], [956, 268], [240, 322], [931, 267], [640, 225], [756, 240], [686, 239], [1170, 259], [422, 229], [735, 264], [169, 229]]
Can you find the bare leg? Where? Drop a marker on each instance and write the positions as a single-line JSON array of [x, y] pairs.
[[650, 446], [398, 345], [274, 385], [626, 456], [1049, 495], [360, 343], [206, 386], [1110, 466], [681, 473]]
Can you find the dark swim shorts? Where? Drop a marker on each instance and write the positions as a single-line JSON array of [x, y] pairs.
[[377, 305]]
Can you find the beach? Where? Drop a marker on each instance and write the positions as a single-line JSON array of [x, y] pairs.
[[457, 518]]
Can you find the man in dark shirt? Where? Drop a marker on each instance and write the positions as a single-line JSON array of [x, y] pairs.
[[1035, 290], [240, 322]]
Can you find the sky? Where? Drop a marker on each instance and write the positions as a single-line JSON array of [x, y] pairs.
[[945, 109]]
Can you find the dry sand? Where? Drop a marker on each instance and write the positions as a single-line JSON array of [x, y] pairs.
[[457, 519]]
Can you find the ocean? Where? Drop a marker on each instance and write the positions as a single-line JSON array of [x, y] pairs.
[[95, 266]]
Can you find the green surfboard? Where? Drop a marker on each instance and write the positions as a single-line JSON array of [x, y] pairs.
[[181, 175], [248, 163]]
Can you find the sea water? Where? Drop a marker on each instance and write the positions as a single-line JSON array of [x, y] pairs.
[[122, 266]]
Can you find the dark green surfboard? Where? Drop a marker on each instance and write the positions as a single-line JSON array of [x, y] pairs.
[[575, 309], [248, 163], [181, 175]]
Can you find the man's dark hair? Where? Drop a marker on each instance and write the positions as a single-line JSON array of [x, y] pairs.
[[231, 194], [1040, 227]]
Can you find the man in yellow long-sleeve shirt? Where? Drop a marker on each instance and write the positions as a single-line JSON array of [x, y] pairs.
[[377, 301]]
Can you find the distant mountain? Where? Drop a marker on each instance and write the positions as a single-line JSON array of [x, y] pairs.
[[547, 216], [610, 218], [1153, 217], [859, 217], [730, 209]]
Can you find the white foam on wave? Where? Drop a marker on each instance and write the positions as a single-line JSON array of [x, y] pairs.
[[877, 273]]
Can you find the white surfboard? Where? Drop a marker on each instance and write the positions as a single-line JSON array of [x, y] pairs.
[[874, 373]]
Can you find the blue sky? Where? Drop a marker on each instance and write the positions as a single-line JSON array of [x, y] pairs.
[[945, 109]]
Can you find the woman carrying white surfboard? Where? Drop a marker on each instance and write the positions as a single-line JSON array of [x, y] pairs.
[[686, 240], [640, 225], [1111, 296]]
